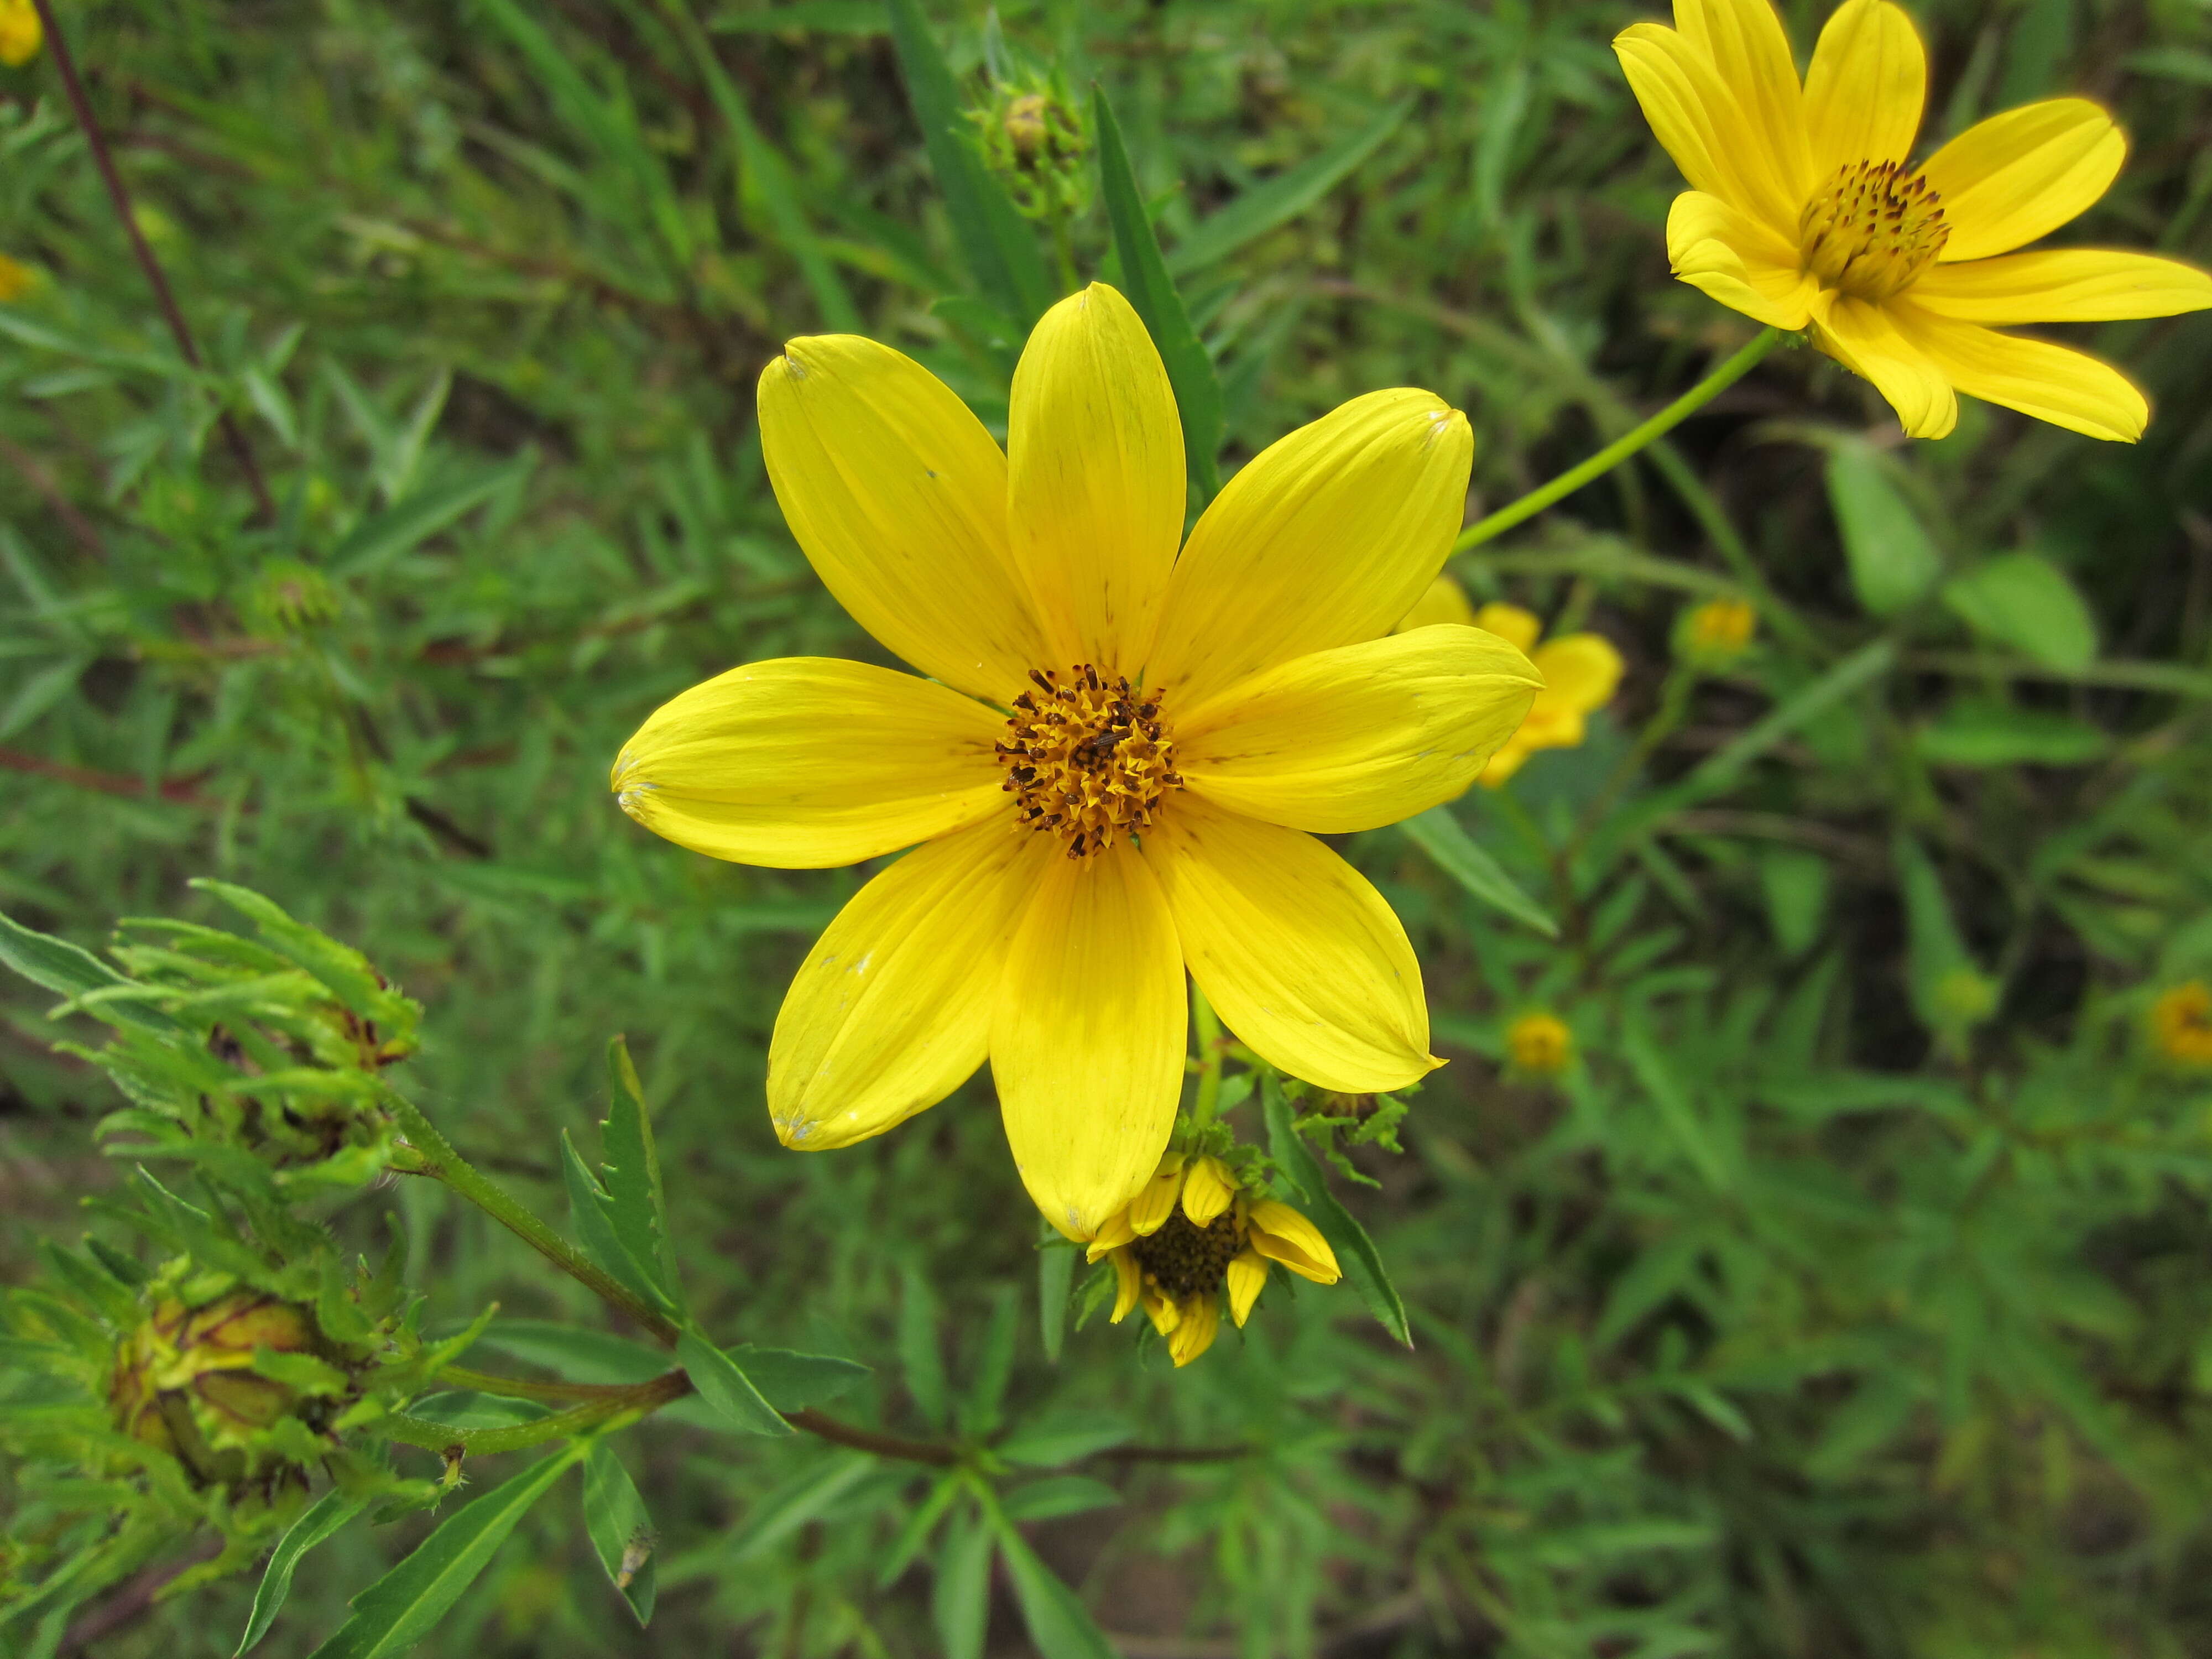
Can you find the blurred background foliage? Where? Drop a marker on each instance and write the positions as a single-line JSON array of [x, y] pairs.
[[1840, 1287]]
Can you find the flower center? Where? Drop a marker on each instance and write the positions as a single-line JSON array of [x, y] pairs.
[[1183, 1259], [1086, 757], [1870, 230]]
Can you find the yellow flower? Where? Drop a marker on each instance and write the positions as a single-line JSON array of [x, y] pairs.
[[1718, 631], [2181, 1020], [1119, 760], [21, 33], [1539, 1043], [1175, 1260], [1803, 212], [17, 278]]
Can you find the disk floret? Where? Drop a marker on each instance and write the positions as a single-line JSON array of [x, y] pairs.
[[1872, 229], [1087, 757]]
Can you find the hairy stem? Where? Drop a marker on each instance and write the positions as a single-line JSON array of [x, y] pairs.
[[1622, 447]]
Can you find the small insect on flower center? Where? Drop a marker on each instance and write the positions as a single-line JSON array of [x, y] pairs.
[[1087, 757], [1184, 1260], [1871, 229]]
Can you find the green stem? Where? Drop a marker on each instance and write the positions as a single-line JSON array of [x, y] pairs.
[[1622, 447], [619, 1403], [438, 1159], [1209, 1058]]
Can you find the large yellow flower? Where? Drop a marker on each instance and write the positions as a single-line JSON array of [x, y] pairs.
[[1121, 758], [1805, 213]]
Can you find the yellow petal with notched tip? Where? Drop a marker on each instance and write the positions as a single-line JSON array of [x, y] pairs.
[[1282, 1234], [1698, 120], [1194, 1333], [1581, 671], [2020, 175], [1294, 948], [1094, 479], [805, 763], [1743, 262], [1361, 736], [1446, 601], [1521, 628], [1087, 1037], [2062, 285], [1326, 538], [1745, 43], [1128, 1283], [897, 496], [1248, 1277], [1864, 91], [891, 1010], [2066, 388], [1207, 1190], [1155, 1202], [1864, 339]]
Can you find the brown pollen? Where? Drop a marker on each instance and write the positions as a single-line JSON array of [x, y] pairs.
[[1184, 1260], [1871, 229], [1086, 757]]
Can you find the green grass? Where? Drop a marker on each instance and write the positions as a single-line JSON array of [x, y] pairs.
[[1816, 1312]]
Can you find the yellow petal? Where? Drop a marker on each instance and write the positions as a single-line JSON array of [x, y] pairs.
[[898, 496], [1207, 1190], [1446, 601], [805, 763], [891, 1010], [1504, 763], [1282, 1234], [2017, 176], [1094, 479], [1248, 1277], [1864, 339], [1695, 117], [1156, 1201], [1864, 91], [1087, 1038], [1361, 736], [1164, 1315], [1327, 538], [1128, 1283], [2066, 388], [1740, 261], [1193, 1333], [2062, 285], [1297, 953], [1519, 629], [1745, 42], [1111, 1237], [1553, 723], [1581, 671]]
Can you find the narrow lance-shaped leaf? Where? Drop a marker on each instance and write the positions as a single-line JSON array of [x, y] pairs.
[[1355, 1251], [636, 1210], [1457, 853], [589, 1204], [725, 1387], [1058, 1624], [1282, 197], [1152, 291], [331, 1511], [960, 1599], [69, 970], [620, 1531]]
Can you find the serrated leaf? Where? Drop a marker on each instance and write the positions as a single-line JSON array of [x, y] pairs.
[[1445, 839], [724, 1386], [1153, 292], [620, 1531], [331, 1511], [591, 1208], [1355, 1251], [637, 1211], [403, 1606]]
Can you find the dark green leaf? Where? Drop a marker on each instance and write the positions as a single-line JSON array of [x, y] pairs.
[[620, 1531], [1442, 836], [1282, 197], [1065, 1437], [637, 1213], [330, 1512], [791, 1382], [1055, 1274], [1058, 1623], [1153, 292], [591, 1208], [1355, 1252], [722, 1385]]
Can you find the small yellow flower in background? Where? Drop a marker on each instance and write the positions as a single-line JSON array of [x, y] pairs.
[[1540, 1044], [16, 279], [21, 34], [2181, 1022], [1804, 212], [1193, 1233], [1717, 632], [1121, 759]]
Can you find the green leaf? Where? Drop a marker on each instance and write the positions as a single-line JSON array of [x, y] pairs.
[[620, 1531], [1065, 1437], [1355, 1252], [999, 245], [792, 1382], [591, 1207], [2025, 601], [386, 535], [1282, 198], [70, 970], [1058, 1624], [331, 1511], [1976, 734], [1442, 836], [403, 1606], [1893, 560], [1664, 1088], [960, 1597], [1949, 991], [1795, 883], [1153, 292], [806, 1496], [994, 1366], [637, 1212], [1055, 1275], [1057, 1494], [722, 1385], [920, 1356]]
